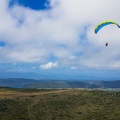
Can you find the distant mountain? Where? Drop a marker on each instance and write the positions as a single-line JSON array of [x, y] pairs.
[[16, 82], [63, 76], [48, 83]]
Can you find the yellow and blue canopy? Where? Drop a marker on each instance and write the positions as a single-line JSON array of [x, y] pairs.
[[102, 24]]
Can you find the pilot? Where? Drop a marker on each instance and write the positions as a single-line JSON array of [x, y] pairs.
[[106, 44]]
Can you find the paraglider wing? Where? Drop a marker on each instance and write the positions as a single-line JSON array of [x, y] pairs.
[[98, 27]]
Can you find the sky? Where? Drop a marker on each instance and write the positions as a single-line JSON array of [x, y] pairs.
[[56, 37]]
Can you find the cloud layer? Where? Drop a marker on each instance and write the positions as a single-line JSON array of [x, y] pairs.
[[66, 31]]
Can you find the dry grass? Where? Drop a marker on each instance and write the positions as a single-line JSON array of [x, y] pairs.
[[13, 93]]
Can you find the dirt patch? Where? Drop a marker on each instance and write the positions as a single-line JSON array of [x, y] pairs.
[[12, 94]]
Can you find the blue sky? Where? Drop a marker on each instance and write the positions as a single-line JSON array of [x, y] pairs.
[[57, 37], [32, 4]]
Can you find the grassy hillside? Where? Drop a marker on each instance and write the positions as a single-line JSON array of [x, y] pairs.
[[71, 104]]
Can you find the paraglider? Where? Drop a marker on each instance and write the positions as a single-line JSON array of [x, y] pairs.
[[102, 24], [106, 44]]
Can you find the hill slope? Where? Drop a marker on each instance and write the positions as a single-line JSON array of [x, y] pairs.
[[28, 104]]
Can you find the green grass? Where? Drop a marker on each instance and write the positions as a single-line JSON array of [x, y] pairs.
[[67, 105], [11, 109]]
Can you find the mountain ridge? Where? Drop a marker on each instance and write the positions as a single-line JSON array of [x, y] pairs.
[[49, 83]]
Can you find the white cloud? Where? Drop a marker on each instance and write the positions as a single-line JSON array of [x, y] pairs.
[[33, 67], [73, 57], [32, 36], [73, 68], [49, 65]]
